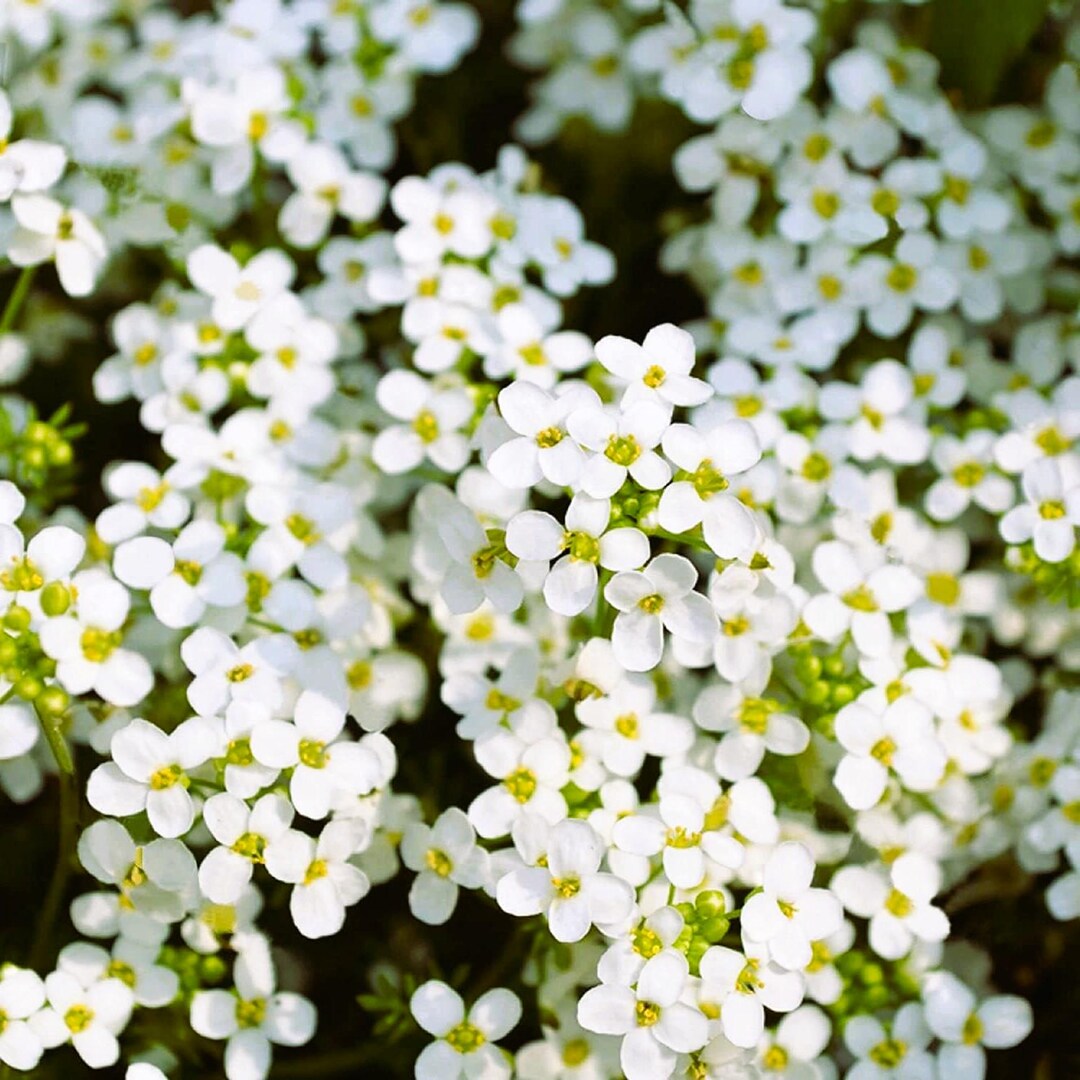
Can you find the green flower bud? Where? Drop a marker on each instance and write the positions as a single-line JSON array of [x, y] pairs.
[[17, 618], [834, 666], [714, 929], [710, 903], [53, 701], [808, 669], [818, 693], [55, 598], [29, 687]]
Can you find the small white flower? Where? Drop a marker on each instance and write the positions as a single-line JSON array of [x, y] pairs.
[[465, 1044], [966, 1025], [622, 444], [324, 882], [655, 1025], [446, 857], [898, 1051], [700, 493], [658, 370], [22, 994], [253, 1017], [899, 905], [89, 1017], [788, 914], [569, 890], [660, 597], [49, 231], [571, 584], [149, 771], [1052, 511]]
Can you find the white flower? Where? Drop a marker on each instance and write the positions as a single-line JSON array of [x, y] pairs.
[[654, 1024], [465, 1044], [700, 494], [902, 739], [90, 1017], [445, 856], [570, 586], [569, 890], [897, 1051], [323, 766], [542, 448], [238, 292], [149, 771], [898, 905], [324, 882], [1052, 511], [685, 833], [435, 419], [22, 994], [752, 725], [243, 836], [325, 186], [879, 415], [895, 287], [622, 443], [657, 598], [966, 1025], [532, 776], [743, 986], [863, 590], [144, 498], [49, 231], [794, 1049], [788, 914], [967, 476], [155, 879], [658, 370], [530, 354], [132, 961], [252, 1018]]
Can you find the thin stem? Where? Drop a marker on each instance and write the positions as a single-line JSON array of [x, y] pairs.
[[15, 300], [54, 736], [69, 817]]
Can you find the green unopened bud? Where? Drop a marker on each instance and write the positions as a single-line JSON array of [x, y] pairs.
[[60, 454], [871, 974], [714, 929], [842, 694], [710, 903], [698, 948], [29, 687], [35, 457], [212, 969], [17, 618], [53, 701], [38, 432], [55, 598], [818, 693], [8, 651], [808, 669], [834, 666]]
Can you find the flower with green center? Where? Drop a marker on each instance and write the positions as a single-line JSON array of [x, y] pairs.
[[78, 1018], [98, 645], [969, 474], [304, 529], [888, 1054], [521, 784], [438, 862], [464, 1042], [250, 1013], [312, 753], [426, 426], [251, 846], [623, 450]]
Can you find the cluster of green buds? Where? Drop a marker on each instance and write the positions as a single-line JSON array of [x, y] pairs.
[[705, 923], [1059, 582], [828, 682], [37, 454], [195, 970], [871, 985]]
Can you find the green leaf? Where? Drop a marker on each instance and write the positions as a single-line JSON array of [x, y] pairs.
[[977, 41]]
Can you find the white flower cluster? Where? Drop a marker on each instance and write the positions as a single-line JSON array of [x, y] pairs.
[[713, 630]]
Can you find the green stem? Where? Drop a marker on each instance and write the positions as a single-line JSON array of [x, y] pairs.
[[69, 819], [54, 736], [15, 300]]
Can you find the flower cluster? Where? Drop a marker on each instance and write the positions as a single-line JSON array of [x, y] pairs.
[[721, 616]]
